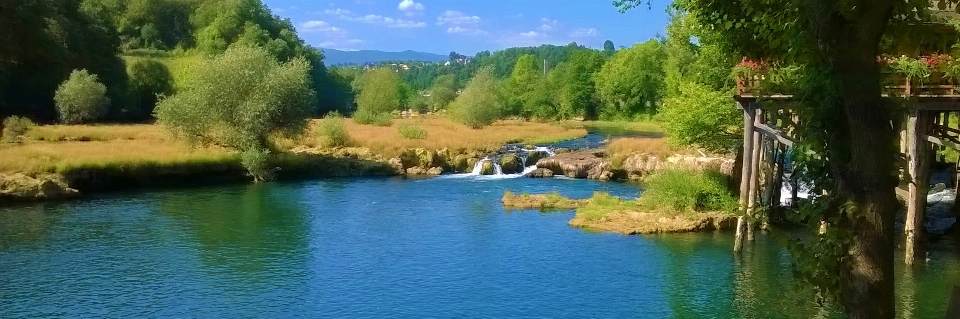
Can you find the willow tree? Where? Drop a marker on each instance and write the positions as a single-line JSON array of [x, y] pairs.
[[239, 99], [845, 121]]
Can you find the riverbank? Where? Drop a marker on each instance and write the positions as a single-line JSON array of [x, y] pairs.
[[51, 161]]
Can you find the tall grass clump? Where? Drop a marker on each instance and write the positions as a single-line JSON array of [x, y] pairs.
[[333, 130], [14, 128], [412, 131], [687, 191], [372, 118]]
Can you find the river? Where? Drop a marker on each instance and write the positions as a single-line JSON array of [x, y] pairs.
[[393, 248]]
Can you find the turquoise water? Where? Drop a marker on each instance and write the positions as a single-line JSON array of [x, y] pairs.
[[391, 248]]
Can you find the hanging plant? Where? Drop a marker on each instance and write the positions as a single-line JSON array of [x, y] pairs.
[[913, 69]]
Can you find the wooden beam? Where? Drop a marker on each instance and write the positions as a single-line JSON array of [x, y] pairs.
[[775, 133], [748, 125], [917, 125], [940, 141]]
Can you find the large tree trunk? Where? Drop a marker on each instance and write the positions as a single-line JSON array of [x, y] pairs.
[[863, 158]]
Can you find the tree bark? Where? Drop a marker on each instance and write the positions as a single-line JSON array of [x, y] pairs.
[[863, 158]]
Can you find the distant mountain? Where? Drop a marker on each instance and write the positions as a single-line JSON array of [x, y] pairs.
[[335, 57]]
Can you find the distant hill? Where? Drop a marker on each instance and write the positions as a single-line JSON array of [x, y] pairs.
[[335, 57]]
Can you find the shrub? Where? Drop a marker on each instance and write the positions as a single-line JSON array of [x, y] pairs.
[[254, 160], [380, 93], [478, 105], [687, 191], [412, 131], [333, 131], [149, 79], [368, 117], [239, 99], [81, 98], [700, 116], [14, 127]]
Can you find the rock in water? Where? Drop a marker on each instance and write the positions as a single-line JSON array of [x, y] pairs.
[[22, 187], [939, 226], [535, 156], [540, 173], [511, 164], [573, 164], [487, 168], [435, 171]]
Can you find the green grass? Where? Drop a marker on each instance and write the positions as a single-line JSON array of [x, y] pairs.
[[603, 203], [684, 191], [412, 131], [643, 128]]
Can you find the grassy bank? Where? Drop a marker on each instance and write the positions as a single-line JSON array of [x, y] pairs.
[[674, 201]]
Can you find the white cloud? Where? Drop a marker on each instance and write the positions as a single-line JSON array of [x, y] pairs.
[[465, 30], [456, 18], [584, 33], [331, 36], [411, 8], [548, 21], [531, 34], [320, 26], [375, 19], [545, 28]]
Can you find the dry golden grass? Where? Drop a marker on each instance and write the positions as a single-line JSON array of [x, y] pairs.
[[62, 157], [444, 133], [97, 133], [633, 222], [638, 145], [539, 201]]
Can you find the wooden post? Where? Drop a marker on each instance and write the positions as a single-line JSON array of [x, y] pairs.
[[748, 125], [919, 183], [754, 175]]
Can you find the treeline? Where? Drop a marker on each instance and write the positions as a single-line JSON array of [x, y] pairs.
[[43, 42]]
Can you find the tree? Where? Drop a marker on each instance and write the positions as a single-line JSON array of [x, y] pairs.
[[521, 84], [149, 79], [578, 97], [81, 98], [443, 91], [379, 94], [608, 48], [478, 105], [631, 82], [700, 116], [240, 99], [845, 121]]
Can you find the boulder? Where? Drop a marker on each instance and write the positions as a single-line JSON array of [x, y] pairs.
[[573, 164], [22, 187], [511, 164], [435, 171], [459, 164], [417, 157], [471, 162], [487, 168], [535, 156], [639, 165], [416, 170], [540, 173], [396, 164]]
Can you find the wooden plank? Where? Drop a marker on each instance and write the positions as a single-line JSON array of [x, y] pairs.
[[754, 174], [775, 133], [940, 141]]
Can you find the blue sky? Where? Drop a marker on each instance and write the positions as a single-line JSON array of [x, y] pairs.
[[441, 26]]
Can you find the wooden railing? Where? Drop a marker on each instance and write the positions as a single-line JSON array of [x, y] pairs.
[[896, 85]]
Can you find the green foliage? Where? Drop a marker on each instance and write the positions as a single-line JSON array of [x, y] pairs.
[[521, 85], [240, 99], [913, 69], [149, 80], [15, 127], [378, 119], [443, 91], [602, 203], [698, 115], [608, 48], [688, 191], [379, 94], [412, 131], [255, 160], [479, 104], [334, 131], [631, 82], [578, 96], [81, 98]]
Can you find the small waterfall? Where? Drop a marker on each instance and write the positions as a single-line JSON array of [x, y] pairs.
[[478, 167]]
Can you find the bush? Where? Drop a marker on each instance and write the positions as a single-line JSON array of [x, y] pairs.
[[688, 191], [333, 131], [81, 98], [703, 117], [14, 127], [412, 131], [380, 93], [149, 79], [368, 117], [255, 161], [478, 105], [239, 99]]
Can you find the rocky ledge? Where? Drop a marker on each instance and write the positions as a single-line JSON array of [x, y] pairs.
[[45, 187], [596, 164]]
